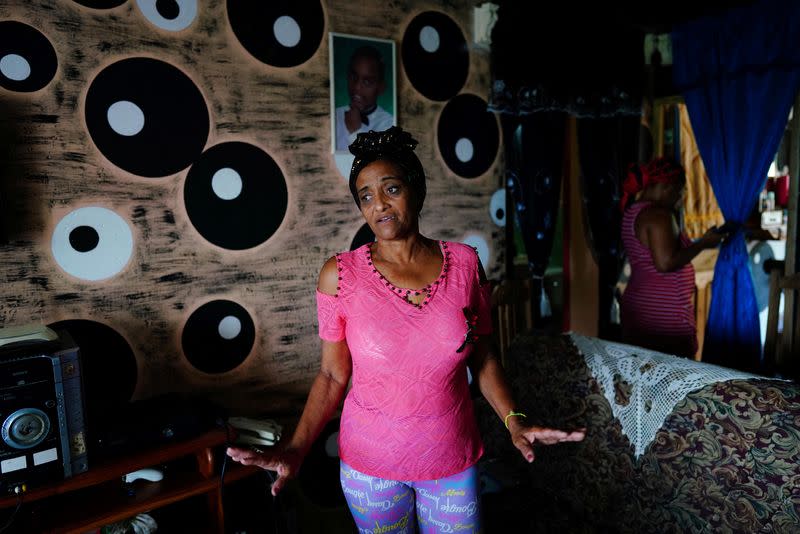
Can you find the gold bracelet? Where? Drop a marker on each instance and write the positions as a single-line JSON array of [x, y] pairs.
[[510, 413]]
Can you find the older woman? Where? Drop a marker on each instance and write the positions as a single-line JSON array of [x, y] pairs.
[[657, 308], [403, 317]]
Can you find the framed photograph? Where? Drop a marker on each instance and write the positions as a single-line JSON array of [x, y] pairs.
[[363, 87]]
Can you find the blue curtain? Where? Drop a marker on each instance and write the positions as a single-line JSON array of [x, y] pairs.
[[739, 74]]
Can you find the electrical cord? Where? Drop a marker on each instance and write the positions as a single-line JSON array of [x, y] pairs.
[[275, 501], [224, 468], [13, 514]]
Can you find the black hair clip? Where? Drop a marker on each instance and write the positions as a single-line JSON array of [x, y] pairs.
[[392, 141]]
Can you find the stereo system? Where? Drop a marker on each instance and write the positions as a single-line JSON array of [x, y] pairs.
[[42, 437]]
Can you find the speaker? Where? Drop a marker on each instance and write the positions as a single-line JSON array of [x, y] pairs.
[[41, 414]]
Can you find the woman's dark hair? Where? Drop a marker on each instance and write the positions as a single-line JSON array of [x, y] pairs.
[[394, 145]]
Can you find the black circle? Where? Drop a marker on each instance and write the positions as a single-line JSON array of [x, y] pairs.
[[169, 9], [465, 116], [438, 75], [252, 23], [363, 236], [176, 119], [203, 345], [108, 368], [100, 4], [250, 218], [500, 213], [84, 238], [29, 43]]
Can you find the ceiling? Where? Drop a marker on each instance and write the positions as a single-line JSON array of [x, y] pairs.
[[585, 47]]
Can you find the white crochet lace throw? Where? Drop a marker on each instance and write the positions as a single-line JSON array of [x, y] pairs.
[[643, 386]]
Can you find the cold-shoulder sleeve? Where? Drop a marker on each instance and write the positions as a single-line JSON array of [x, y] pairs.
[[329, 315]]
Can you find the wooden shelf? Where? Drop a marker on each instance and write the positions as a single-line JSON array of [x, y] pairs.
[[99, 497], [110, 502]]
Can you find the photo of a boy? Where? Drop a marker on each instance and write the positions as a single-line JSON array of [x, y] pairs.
[[366, 77]]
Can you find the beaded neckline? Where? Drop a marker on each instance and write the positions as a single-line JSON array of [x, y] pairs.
[[402, 292]]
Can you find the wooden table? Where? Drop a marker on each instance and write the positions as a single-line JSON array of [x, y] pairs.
[[97, 498]]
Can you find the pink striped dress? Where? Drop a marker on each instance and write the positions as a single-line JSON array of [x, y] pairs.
[[657, 308]]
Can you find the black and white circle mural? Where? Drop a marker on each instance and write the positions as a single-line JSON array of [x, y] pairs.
[[479, 243], [92, 243], [235, 195], [468, 136], [170, 15], [108, 367], [101, 4], [281, 33], [497, 207], [218, 336], [147, 117], [27, 59], [435, 55]]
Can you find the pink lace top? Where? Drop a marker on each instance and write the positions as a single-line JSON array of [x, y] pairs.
[[408, 415]]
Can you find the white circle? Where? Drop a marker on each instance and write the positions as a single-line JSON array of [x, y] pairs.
[[229, 327], [464, 150], [187, 12], [15, 67], [429, 39], [125, 118], [498, 202], [286, 31], [332, 445], [478, 241], [114, 247], [226, 183], [344, 162]]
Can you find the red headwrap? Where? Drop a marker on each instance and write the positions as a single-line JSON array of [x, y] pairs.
[[661, 170]]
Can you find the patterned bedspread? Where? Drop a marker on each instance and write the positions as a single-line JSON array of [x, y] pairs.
[[727, 458]]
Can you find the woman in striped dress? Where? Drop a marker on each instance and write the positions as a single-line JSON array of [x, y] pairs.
[[658, 304]]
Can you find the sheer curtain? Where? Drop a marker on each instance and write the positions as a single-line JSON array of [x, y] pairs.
[[534, 158], [738, 74]]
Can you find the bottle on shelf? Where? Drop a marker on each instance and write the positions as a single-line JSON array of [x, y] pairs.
[[770, 200]]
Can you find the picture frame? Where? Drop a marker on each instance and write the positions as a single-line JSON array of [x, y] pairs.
[[363, 87]]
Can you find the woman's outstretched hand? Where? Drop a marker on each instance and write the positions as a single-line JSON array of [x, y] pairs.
[[713, 237], [286, 462], [524, 437]]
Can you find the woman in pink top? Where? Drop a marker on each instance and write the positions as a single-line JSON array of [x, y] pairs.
[[403, 317], [657, 307]]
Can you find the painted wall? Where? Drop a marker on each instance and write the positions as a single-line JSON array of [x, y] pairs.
[[168, 189]]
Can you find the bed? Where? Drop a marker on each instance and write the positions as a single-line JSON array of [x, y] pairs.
[[725, 459]]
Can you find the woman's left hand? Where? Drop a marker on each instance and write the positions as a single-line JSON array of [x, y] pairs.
[[524, 437]]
